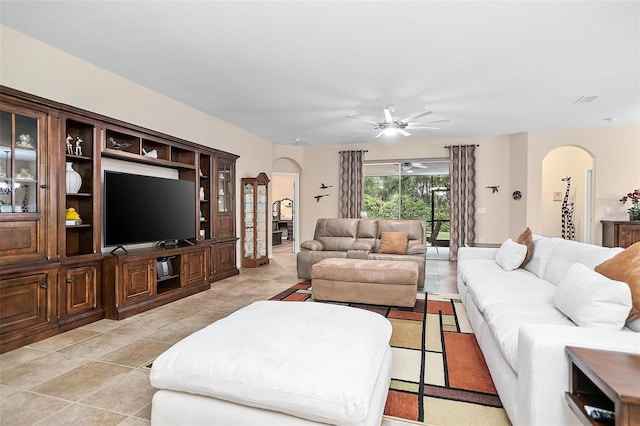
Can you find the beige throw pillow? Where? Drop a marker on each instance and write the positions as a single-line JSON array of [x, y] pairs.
[[393, 243], [625, 266], [526, 238]]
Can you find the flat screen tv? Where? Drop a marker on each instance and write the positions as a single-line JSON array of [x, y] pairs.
[[143, 209]]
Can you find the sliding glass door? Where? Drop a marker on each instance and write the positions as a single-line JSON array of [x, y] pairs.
[[409, 189]]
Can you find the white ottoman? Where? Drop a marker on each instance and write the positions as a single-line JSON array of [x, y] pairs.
[[277, 363]]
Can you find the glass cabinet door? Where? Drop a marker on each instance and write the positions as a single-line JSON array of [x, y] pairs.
[[224, 186], [249, 243], [261, 220], [19, 141]]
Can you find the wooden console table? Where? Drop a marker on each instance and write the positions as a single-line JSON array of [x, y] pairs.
[[620, 233], [607, 380]]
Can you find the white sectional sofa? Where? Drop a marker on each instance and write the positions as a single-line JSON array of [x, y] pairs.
[[521, 332]]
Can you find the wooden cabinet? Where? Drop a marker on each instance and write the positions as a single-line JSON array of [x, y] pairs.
[[605, 380], [80, 286], [620, 233], [24, 183], [193, 267], [222, 262], [28, 307], [52, 275], [255, 217], [137, 286]]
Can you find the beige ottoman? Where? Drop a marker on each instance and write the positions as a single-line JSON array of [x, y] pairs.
[[378, 282]]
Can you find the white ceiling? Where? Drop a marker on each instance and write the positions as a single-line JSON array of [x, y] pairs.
[[288, 70]]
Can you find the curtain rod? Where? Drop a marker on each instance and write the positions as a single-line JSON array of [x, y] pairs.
[[365, 150], [449, 146]]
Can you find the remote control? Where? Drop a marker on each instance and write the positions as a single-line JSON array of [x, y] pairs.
[[600, 414]]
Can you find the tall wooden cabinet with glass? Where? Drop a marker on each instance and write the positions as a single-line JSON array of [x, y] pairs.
[[28, 271], [255, 217], [223, 250]]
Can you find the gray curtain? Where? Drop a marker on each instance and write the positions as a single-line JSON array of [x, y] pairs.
[[463, 197], [351, 183]]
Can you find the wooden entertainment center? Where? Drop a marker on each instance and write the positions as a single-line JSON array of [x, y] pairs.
[[53, 274]]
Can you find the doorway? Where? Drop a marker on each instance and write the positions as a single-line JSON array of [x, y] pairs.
[[285, 208], [577, 194]]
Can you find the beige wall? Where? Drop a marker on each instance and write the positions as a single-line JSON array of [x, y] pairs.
[[514, 162], [616, 154]]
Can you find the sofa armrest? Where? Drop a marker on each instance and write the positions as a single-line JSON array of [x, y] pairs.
[[543, 366], [314, 245], [466, 253]]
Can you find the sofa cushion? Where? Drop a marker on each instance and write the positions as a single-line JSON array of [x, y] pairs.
[[511, 255], [526, 238], [324, 367], [505, 319], [542, 250], [393, 243], [567, 252], [625, 266], [593, 300], [488, 284]]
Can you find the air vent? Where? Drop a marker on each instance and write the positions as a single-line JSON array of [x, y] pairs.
[[585, 99], [298, 142]]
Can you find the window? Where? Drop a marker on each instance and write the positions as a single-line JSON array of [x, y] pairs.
[[411, 189]]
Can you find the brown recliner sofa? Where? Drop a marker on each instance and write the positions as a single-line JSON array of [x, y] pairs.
[[360, 239]]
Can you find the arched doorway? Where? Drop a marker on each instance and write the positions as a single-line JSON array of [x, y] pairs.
[[577, 163]]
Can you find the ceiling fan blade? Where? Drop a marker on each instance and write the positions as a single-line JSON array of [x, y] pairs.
[[403, 132], [410, 127], [387, 116], [379, 134], [432, 121], [413, 117], [362, 119]]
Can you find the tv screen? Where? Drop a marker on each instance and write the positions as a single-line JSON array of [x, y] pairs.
[[142, 209]]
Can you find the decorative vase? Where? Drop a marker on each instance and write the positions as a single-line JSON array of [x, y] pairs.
[[74, 180], [634, 214]]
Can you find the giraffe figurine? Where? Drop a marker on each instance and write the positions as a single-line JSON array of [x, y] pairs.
[[568, 227]]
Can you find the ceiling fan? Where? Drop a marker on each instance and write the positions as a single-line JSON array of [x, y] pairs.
[[390, 126]]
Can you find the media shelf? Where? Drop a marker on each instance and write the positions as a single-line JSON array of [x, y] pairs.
[[604, 379], [137, 287]]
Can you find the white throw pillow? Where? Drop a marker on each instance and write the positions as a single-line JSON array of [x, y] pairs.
[[510, 255], [593, 300]]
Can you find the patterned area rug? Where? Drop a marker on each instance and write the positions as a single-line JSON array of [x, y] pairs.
[[439, 376]]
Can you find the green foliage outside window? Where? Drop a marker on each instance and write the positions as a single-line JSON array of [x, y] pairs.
[[383, 200]]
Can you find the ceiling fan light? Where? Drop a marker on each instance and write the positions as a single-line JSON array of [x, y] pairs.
[[390, 131]]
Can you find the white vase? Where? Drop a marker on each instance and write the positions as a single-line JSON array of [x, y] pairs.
[[74, 180]]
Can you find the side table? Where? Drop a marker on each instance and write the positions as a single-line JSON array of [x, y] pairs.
[[604, 379]]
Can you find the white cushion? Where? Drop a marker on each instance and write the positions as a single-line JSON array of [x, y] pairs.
[[511, 255], [567, 252], [312, 360], [542, 250], [593, 300], [487, 283], [505, 319]]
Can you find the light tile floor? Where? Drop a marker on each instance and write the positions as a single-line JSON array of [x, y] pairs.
[[97, 374]]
